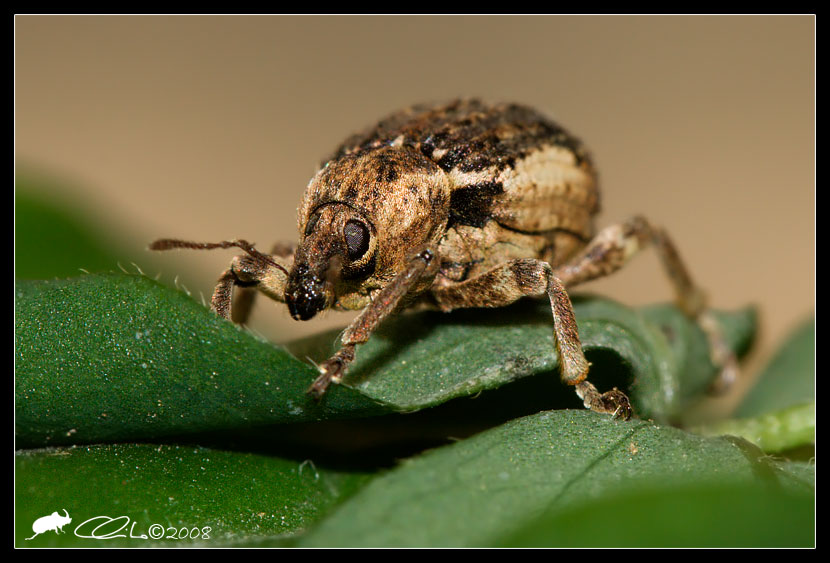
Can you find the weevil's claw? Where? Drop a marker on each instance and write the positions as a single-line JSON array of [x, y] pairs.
[[331, 371], [618, 401], [321, 384], [319, 387], [613, 402]]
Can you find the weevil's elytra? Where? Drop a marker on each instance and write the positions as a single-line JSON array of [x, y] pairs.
[[465, 204]]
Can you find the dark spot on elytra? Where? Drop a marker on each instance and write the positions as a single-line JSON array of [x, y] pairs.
[[431, 142], [427, 148], [439, 138], [471, 205], [452, 158]]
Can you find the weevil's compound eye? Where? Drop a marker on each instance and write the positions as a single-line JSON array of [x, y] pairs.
[[312, 222], [357, 239]]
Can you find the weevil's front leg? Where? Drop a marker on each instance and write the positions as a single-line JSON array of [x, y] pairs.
[[524, 277], [615, 245], [249, 276], [248, 272], [422, 264]]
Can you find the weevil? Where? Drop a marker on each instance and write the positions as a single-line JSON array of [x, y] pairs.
[[463, 204]]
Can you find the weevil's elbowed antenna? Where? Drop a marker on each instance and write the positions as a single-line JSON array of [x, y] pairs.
[[172, 244]]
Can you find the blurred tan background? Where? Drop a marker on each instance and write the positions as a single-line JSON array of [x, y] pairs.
[[209, 128]]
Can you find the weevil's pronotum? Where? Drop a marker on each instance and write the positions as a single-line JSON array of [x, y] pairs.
[[458, 205]]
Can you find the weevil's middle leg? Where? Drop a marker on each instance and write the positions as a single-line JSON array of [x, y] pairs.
[[422, 264], [524, 277], [615, 245]]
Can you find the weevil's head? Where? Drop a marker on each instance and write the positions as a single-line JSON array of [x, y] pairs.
[[362, 216], [338, 245]]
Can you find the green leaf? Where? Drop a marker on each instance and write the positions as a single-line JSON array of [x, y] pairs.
[[698, 515], [121, 357], [774, 432], [501, 483], [216, 497], [790, 377]]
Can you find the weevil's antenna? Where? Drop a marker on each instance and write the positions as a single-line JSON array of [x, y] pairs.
[[170, 244]]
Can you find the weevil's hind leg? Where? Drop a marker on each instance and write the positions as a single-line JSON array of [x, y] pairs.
[[615, 245], [524, 277], [423, 264]]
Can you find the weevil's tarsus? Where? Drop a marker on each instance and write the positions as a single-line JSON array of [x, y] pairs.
[[613, 402]]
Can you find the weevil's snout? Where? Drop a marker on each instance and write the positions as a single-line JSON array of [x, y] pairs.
[[305, 294]]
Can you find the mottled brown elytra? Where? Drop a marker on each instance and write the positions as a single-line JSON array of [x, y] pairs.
[[456, 205]]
